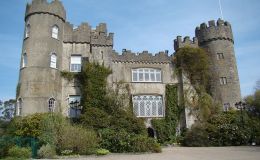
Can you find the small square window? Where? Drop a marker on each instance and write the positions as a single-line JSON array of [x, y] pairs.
[[223, 80], [220, 56]]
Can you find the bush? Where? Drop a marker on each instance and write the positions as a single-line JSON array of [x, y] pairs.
[[121, 141], [6, 142], [124, 119], [142, 143], [19, 152], [29, 126], [79, 140], [196, 137], [95, 118], [47, 151], [52, 126], [101, 152], [115, 141]]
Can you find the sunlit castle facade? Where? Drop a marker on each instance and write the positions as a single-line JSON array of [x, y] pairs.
[[51, 45]]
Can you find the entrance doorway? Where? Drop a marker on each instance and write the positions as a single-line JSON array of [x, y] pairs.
[[150, 132]]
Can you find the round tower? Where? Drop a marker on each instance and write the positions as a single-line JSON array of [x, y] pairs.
[[217, 39], [39, 87]]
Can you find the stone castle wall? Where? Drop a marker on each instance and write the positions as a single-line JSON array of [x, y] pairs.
[[39, 82]]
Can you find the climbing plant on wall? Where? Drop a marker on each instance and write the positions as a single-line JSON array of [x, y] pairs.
[[194, 62], [93, 81], [166, 128]]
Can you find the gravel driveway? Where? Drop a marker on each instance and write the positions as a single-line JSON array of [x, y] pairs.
[[187, 153]]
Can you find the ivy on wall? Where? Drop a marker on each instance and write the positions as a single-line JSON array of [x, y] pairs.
[[67, 75], [93, 85], [166, 128]]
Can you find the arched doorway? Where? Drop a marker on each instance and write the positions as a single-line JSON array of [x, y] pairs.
[[150, 132]]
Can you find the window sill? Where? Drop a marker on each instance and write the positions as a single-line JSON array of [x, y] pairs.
[[149, 116], [146, 82], [55, 38], [54, 68]]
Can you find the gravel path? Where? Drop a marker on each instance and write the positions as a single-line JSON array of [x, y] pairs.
[[187, 153]]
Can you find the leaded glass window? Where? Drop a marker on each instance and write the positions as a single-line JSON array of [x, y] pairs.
[[148, 106]]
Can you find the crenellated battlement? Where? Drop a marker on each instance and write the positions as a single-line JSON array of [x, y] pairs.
[[81, 34], [84, 34], [144, 57], [99, 36], [55, 8], [179, 43], [214, 31]]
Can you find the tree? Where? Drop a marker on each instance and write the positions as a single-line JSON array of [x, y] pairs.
[[253, 101], [7, 109], [257, 86]]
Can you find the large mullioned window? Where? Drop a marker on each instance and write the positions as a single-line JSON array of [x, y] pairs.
[[148, 106], [146, 75], [75, 63]]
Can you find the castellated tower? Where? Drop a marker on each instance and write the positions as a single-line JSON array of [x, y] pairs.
[[217, 40], [39, 80]]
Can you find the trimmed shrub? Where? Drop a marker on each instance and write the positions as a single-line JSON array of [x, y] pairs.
[[47, 151], [19, 152], [101, 152], [79, 140]]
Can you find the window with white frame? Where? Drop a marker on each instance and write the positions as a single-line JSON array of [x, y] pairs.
[[19, 107], [74, 103], [55, 32], [223, 80], [53, 61], [75, 63], [148, 106], [51, 105], [27, 30], [24, 60], [146, 75]]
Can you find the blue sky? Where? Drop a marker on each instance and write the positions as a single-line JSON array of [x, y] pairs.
[[140, 25]]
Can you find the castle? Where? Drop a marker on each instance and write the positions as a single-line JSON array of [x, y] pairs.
[[52, 45]]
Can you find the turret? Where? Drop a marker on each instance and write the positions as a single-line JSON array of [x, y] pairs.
[[39, 80], [217, 40]]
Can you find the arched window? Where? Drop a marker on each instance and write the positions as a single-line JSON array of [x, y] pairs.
[[53, 62], [27, 30], [51, 104], [19, 107], [24, 60], [55, 32]]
